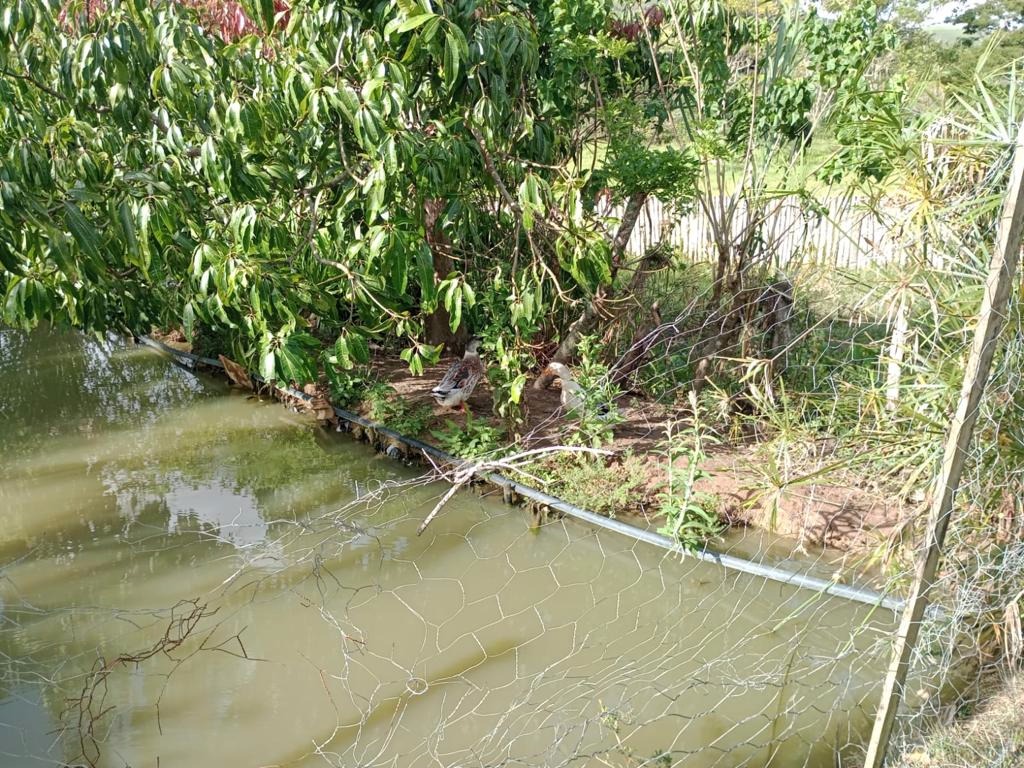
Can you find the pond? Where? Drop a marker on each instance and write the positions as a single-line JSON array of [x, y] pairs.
[[190, 577]]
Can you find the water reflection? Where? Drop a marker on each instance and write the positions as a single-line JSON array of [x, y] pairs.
[[333, 635]]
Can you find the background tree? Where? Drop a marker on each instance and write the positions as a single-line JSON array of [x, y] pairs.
[[984, 18]]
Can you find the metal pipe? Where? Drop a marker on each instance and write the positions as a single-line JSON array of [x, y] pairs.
[[725, 560]]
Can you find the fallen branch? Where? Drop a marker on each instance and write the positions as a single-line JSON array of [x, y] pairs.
[[465, 473]]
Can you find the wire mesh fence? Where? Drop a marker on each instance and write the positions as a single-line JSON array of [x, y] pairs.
[[481, 642], [320, 628]]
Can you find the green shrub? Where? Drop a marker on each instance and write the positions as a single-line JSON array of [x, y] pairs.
[[384, 406], [349, 388], [473, 441], [607, 487]]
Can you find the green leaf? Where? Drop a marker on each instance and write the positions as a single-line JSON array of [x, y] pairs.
[[60, 252], [428, 288], [8, 259], [341, 352], [515, 388], [267, 12], [189, 320], [127, 219], [379, 234], [14, 304], [359, 348], [430, 30], [456, 313], [144, 214], [85, 234], [451, 58], [289, 364], [401, 26], [346, 99]]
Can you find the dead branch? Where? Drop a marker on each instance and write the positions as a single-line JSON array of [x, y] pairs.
[[87, 710], [515, 463]]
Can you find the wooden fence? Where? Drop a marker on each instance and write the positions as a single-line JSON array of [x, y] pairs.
[[847, 234]]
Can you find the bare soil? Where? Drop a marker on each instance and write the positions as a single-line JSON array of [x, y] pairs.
[[844, 513]]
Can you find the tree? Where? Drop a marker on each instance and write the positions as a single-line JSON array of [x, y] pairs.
[[245, 168], [984, 18], [279, 178], [752, 92]]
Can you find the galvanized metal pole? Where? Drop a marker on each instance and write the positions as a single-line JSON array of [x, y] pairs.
[[991, 318]]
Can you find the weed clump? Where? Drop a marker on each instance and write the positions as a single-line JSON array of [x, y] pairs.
[[474, 440], [382, 404], [609, 487], [691, 516]]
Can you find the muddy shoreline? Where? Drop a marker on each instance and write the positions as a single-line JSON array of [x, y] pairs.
[[838, 512], [848, 513]]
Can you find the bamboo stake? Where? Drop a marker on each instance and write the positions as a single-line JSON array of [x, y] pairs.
[[991, 318]]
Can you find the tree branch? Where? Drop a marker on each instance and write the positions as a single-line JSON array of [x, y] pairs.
[[492, 171], [592, 311], [29, 79]]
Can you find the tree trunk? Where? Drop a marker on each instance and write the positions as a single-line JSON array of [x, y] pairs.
[[634, 207], [721, 267], [644, 340], [438, 328], [722, 326], [728, 326], [583, 324], [780, 314], [647, 332]]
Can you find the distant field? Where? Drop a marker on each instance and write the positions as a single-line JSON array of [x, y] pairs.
[[946, 33]]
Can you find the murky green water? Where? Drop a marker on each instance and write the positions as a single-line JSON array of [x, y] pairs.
[[330, 634]]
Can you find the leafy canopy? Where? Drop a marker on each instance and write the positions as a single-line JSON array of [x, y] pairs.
[[246, 168], [298, 181]]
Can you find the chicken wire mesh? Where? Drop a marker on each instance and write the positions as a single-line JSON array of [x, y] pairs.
[[481, 642], [824, 398], [853, 368]]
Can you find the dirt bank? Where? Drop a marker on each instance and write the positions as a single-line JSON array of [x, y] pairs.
[[839, 511], [751, 487]]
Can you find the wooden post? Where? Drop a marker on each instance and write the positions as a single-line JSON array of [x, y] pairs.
[[991, 318]]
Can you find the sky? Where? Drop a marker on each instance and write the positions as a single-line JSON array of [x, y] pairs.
[[943, 11]]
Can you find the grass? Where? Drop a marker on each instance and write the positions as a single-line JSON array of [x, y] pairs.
[[992, 736], [607, 487]]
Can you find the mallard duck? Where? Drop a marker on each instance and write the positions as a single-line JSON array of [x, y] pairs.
[[574, 398], [572, 392], [458, 384]]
